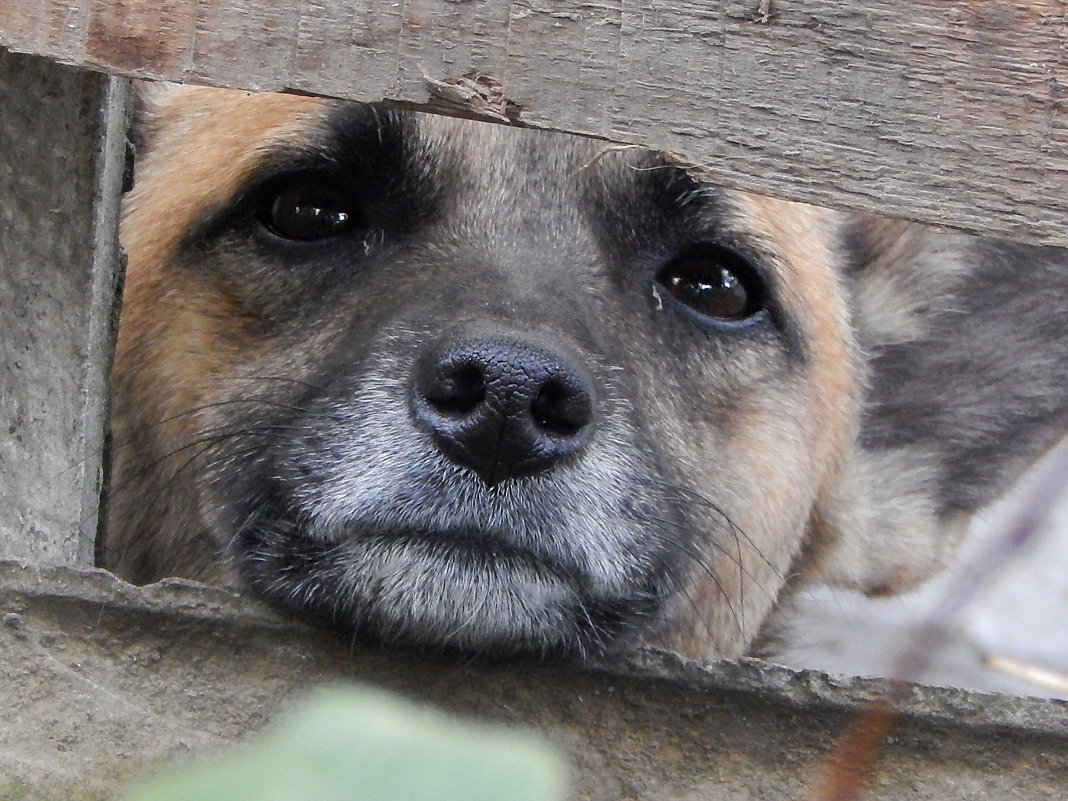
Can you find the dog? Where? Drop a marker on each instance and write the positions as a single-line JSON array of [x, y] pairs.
[[470, 387]]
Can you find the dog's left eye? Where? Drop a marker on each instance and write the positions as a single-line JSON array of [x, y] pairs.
[[715, 282], [308, 208]]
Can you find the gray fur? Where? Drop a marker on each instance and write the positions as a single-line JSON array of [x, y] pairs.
[[967, 372], [892, 380], [986, 377]]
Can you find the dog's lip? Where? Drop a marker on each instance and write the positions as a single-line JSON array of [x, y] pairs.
[[474, 542]]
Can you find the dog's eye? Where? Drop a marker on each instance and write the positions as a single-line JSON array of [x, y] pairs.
[[308, 208], [715, 282]]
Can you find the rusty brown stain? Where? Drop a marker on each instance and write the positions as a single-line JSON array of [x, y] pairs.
[[137, 36]]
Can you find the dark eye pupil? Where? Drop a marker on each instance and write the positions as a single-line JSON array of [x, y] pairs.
[[714, 282], [307, 211], [719, 295]]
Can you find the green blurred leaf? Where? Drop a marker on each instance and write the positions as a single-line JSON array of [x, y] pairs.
[[349, 744]]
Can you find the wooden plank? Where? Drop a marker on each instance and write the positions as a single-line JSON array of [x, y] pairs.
[[58, 279], [952, 113], [949, 111]]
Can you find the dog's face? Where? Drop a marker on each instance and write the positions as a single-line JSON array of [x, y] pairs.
[[467, 386]]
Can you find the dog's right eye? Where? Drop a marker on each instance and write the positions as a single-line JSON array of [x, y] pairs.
[[716, 283], [308, 209]]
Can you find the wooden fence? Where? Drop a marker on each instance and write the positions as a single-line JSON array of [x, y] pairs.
[[951, 112]]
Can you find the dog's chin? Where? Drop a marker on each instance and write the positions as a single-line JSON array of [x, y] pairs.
[[450, 590]]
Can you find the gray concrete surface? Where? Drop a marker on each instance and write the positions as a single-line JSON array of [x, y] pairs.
[[62, 146], [100, 680]]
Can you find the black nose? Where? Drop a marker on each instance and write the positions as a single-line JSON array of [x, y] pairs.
[[502, 406]]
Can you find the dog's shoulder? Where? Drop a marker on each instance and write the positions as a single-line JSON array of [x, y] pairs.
[[966, 360]]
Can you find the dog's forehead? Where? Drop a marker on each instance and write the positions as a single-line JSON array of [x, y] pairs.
[[469, 141], [497, 154], [499, 177]]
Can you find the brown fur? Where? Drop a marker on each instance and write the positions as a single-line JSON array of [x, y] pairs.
[[775, 444]]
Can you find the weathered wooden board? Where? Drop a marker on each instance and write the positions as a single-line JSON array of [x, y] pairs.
[[949, 111], [62, 135]]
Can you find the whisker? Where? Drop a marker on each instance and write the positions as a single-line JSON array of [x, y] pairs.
[[737, 560], [202, 407], [211, 438], [709, 572], [280, 378], [119, 443], [684, 495]]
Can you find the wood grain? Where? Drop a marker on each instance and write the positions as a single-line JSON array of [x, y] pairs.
[[947, 111], [59, 268]]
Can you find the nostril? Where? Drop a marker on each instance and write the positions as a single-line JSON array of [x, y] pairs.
[[561, 409], [454, 388], [502, 406]]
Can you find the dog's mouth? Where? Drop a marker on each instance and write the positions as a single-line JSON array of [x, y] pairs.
[[472, 550], [455, 588]]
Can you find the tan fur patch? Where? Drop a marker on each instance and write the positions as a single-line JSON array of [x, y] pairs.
[[805, 236], [163, 314], [204, 142], [776, 463]]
